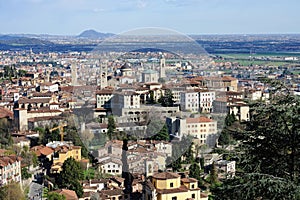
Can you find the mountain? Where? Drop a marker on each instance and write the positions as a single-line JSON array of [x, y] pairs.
[[92, 34], [21, 41]]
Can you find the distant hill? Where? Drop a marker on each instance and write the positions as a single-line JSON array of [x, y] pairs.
[[92, 34], [22, 41]]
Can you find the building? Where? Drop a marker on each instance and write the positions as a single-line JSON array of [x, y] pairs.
[[63, 151], [149, 76], [10, 169], [69, 194], [203, 129], [189, 101], [197, 101], [206, 99], [170, 186], [103, 98], [111, 166], [226, 169]]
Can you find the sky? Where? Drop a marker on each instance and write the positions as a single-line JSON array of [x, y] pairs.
[[71, 17]]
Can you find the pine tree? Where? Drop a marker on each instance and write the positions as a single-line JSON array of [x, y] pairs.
[[71, 175], [111, 127]]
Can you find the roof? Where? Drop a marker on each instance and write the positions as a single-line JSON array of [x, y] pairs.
[[188, 180], [182, 188], [125, 66], [199, 120], [113, 192], [5, 113], [8, 160], [166, 175], [69, 194], [46, 151]]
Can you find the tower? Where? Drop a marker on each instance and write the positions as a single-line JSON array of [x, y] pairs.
[[162, 67], [74, 74], [103, 75]]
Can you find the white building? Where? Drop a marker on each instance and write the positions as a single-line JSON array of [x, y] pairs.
[[111, 166], [197, 101], [149, 76], [103, 98], [203, 129], [206, 99], [10, 169], [189, 101]]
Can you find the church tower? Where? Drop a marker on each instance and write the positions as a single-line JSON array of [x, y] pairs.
[[162, 67], [74, 74]]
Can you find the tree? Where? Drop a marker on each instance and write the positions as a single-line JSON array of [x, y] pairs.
[[87, 136], [195, 172], [162, 134], [111, 126], [24, 173], [270, 164], [213, 176], [189, 155], [167, 99], [71, 175], [11, 191], [151, 99], [55, 196]]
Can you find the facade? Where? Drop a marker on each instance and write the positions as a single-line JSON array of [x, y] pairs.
[[240, 111], [226, 169], [203, 129], [63, 151], [206, 99], [103, 98], [111, 166], [149, 76], [197, 101], [170, 186], [10, 169], [189, 101]]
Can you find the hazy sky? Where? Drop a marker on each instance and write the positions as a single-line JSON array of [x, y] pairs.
[[187, 16]]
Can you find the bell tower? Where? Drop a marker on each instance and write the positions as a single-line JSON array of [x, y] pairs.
[[162, 67]]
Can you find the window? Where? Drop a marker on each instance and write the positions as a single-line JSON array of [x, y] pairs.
[[171, 185], [193, 196], [193, 186], [174, 198]]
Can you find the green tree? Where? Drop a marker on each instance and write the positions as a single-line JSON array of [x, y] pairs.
[[195, 172], [162, 134], [55, 196], [189, 155], [213, 176], [111, 127], [25, 174], [270, 162], [151, 99], [71, 175], [167, 99]]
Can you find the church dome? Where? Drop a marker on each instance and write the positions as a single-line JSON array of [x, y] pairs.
[[126, 67]]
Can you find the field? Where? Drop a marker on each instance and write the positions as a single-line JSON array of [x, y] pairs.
[[247, 60]]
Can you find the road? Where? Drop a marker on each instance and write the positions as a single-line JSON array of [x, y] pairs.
[[35, 191]]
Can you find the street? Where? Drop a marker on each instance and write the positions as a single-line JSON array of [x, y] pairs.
[[35, 191]]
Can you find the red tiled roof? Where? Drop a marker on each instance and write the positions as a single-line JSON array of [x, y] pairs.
[[165, 175], [198, 120], [4, 113], [69, 194]]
